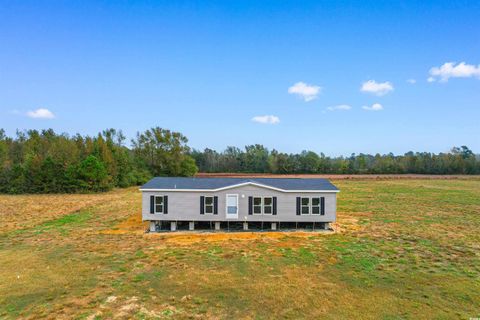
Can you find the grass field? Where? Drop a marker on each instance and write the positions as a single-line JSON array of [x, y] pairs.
[[403, 249]]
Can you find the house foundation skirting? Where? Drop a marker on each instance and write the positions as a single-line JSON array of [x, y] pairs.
[[169, 226]]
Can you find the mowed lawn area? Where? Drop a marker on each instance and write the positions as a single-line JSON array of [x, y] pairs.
[[403, 249]]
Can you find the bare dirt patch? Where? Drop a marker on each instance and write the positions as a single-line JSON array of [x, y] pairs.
[[349, 223], [184, 238], [133, 224]]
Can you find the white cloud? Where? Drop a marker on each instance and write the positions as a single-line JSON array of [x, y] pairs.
[[305, 91], [450, 70], [41, 114], [412, 81], [267, 119], [374, 107], [377, 88], [339, 107], [431, 79]]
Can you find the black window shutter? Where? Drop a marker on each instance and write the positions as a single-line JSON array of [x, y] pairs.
[[152, 204], [298, 206], [202, 205], [274, 206], [322, 206], [250, 205], [165, 204], [215, 205]]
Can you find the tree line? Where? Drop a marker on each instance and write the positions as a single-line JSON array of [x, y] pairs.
[[46, 162], [258, 159], [43, 161]]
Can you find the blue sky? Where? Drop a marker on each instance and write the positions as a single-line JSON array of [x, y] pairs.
[[209, 69]]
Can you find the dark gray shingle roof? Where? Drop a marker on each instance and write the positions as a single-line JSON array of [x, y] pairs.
[[216, 183]]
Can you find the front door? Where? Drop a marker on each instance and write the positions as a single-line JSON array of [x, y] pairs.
[[232, 206]]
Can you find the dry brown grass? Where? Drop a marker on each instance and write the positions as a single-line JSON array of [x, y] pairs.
[[409, 176], [402, 249], [24, 211]]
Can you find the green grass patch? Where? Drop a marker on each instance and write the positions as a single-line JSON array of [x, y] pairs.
[[407, 249], [300, 256], [357, 259], [64, 224]]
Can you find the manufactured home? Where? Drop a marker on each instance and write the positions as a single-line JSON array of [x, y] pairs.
[[171, 203]]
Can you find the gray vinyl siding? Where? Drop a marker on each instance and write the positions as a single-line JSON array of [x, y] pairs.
[[185, 205]]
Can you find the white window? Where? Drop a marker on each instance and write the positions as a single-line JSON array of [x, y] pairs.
[[257, 205], [312, 205], [315, 205], [209, 205], [267, 205], [305, 205], [158, 204], [232, 204]]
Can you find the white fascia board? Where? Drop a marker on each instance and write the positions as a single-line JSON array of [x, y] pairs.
[[241, 185]]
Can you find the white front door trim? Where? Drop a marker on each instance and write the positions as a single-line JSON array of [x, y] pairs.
[[227, 204]]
